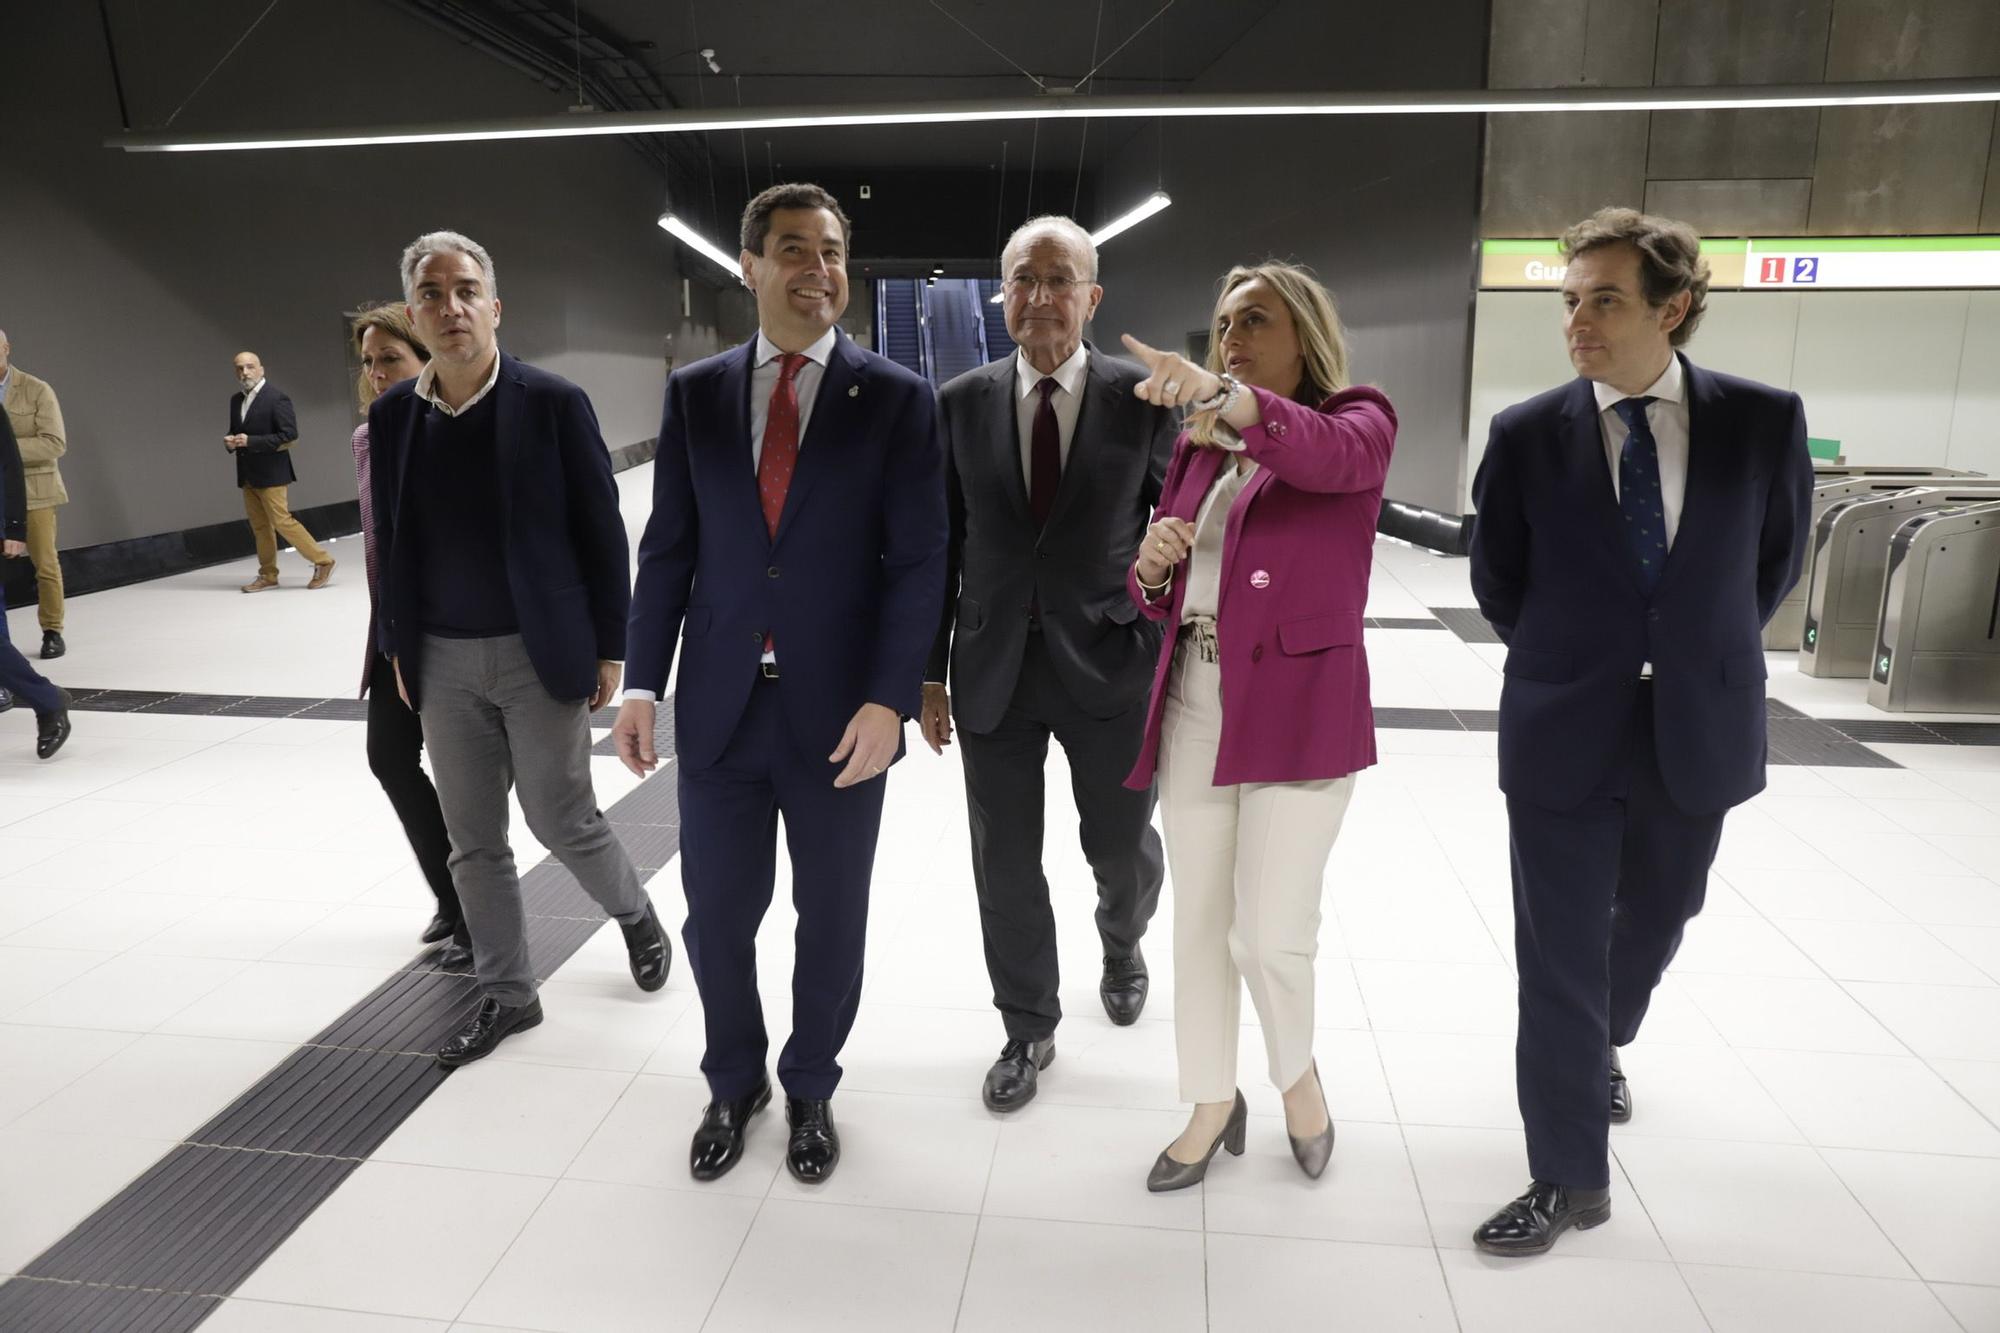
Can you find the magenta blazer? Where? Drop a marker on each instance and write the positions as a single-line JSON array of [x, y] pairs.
[[1295, 565]]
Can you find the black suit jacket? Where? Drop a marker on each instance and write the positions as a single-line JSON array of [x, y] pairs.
[[999, 563], [272, 427], [13, 489], [567, 559], [1553, 573]]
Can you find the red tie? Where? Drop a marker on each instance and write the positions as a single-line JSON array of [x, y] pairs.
[[1044, 454], [780, 457]]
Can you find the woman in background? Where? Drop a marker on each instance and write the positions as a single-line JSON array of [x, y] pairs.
[[1258, 558], [390, 353]]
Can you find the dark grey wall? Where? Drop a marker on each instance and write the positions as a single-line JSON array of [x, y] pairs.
[[1386, 210], [130, 280], [1797, 172]]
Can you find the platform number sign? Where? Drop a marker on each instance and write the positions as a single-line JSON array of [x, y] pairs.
[[1785, 270]]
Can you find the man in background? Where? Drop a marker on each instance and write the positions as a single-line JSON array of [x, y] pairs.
[[262, 429], [37, 422]]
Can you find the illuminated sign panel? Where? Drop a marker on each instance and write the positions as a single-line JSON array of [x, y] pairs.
[[1798, 264]]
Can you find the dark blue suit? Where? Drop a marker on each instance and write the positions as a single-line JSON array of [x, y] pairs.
[[850, 591], [566, 562], [1616, 789]]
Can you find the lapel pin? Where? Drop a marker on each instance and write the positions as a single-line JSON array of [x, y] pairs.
[[854, 391], [1261, 579]]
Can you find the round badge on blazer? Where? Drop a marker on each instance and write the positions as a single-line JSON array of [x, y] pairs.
[[1261, 579]]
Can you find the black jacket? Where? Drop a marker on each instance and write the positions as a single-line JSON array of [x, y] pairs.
[[272, 427], [1000, 564], [13, 488], [567, 558]]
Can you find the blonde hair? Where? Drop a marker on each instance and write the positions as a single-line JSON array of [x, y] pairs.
[[1315, 319], [392, 320]]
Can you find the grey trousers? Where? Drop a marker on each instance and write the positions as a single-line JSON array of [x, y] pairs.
[[489, 724]]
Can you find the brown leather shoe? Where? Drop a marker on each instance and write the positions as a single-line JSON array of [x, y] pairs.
[[260, 584], [321, 573]]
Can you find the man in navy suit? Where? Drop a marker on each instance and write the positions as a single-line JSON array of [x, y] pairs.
[[1635, 530], [796, 550], [502, 601]]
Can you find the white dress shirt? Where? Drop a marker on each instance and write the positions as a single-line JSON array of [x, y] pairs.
[[1067, 401], [1667, 415], [248, 394], [763, 379], [427, 387], [1203, 570]]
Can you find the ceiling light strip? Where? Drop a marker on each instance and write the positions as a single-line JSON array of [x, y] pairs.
[[1477, 102], [694, 240]]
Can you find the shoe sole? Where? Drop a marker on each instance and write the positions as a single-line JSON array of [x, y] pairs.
[[1583, 1221], [462, 1061], [1003, 1108]]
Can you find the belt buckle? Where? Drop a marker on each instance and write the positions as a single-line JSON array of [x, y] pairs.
[[768, 670]]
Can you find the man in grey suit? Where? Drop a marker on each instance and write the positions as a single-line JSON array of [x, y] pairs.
[[1052, 469]]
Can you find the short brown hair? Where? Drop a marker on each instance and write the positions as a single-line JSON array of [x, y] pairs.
[[1670, 259], [393, 320], [757, 213]]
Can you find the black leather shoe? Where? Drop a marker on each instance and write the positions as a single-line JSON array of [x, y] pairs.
[[493, 1022], [1621, 1092], [646, 943], [1531, 1223], [1123, 989], [52, 644], [718, 1143], [454, 957], [6, 700], [1010, 1083], [52, 729], [440, 926], [814, 1149]]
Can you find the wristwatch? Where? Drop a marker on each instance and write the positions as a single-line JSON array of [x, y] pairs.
[[1222, 398]]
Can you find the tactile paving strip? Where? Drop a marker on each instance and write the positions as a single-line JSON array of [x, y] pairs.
[[161, 1255]]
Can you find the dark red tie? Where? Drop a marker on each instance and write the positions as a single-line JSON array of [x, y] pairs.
[[780, 456], [1044, 454]]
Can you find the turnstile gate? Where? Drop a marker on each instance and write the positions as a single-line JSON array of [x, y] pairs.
[[1844, 563], [1938, 651], [1787, 627]]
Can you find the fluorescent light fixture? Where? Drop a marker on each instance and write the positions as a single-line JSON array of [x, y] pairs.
[[1472, 102], [995, 298], [699, 243], [1152, 204]]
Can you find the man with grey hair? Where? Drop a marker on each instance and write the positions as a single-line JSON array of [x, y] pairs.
[[1052, 469], [503, 592]]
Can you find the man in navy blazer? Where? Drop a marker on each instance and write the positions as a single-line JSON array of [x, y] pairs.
[[502, 604], [796, 551], [1635, 529]]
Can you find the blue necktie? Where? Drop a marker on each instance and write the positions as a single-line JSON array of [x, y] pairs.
[[1639, 495]]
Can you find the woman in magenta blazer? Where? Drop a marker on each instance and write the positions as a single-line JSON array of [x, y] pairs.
[[1258, 561]]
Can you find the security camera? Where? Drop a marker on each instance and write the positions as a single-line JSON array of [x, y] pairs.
[[708, 53]]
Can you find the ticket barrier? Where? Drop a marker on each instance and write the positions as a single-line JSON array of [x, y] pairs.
[[1844, 563], [1787, 627], [1937, 651]]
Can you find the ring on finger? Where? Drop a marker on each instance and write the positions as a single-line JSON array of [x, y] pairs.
[[1173, 386]]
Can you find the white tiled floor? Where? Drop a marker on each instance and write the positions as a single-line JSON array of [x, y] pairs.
[[1816, 1144]]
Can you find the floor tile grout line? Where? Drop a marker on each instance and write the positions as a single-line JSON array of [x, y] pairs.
[[499, 1259], [978, 1225]]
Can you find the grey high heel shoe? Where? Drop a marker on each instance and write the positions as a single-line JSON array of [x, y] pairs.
[[1167, 1174], [1312, 1154]]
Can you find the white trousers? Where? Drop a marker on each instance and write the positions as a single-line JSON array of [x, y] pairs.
[[1247, 863]]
